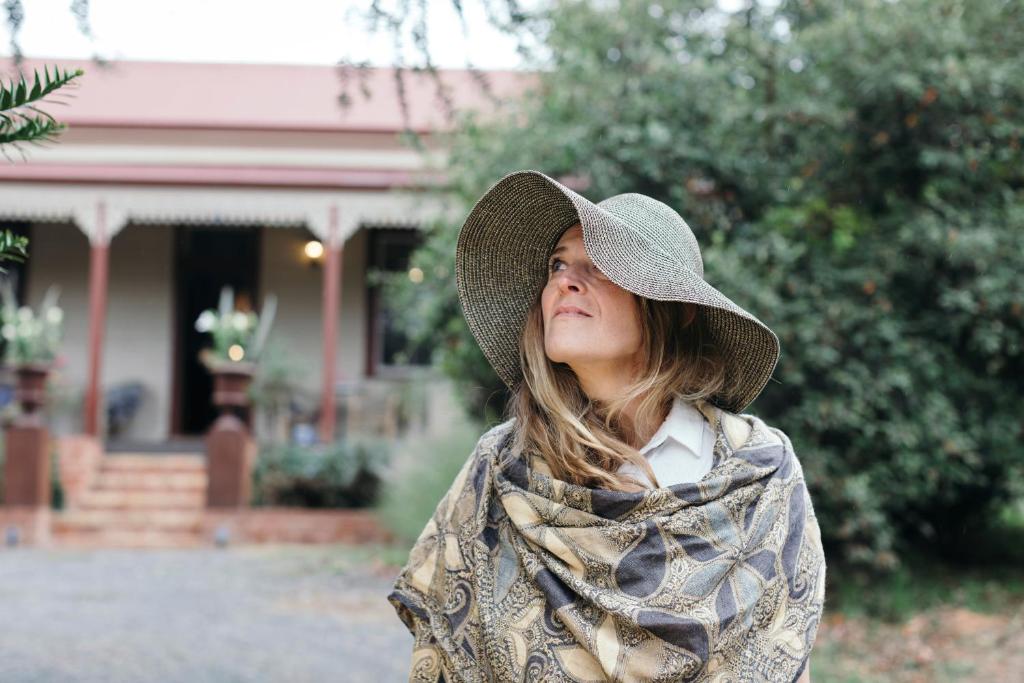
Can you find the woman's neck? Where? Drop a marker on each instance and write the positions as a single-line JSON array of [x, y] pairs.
[[641, 431]]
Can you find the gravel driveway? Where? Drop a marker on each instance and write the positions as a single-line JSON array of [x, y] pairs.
[[258, 613]]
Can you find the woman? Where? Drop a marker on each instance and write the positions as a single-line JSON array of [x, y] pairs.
[[626, 522]]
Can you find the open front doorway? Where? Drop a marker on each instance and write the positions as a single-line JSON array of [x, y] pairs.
[[206, 259]]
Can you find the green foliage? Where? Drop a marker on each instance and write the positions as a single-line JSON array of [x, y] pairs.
[[919, 584], [425, 470], [236, 334], [12, 248], [344, 474], [21, 119], [56, 487], [853, 172], [30, 338]]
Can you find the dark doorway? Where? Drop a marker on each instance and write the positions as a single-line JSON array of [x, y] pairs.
[[206, 259]]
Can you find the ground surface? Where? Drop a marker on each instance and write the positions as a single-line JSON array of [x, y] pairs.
[[319, 613], [245, 614], [936, 646]]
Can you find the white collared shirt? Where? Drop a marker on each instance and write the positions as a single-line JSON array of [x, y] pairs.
[[682, 450]]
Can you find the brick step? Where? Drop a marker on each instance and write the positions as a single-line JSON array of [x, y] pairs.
[[127, 539], [148, 480], [120, 499], [126, 520], [153, 463]]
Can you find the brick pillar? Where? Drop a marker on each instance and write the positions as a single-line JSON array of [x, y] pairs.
[[230, 448], [27, 444]]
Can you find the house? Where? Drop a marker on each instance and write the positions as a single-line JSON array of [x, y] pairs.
[[175, 179]]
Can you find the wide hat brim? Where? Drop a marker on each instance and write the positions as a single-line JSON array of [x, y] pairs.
[[501, 265]]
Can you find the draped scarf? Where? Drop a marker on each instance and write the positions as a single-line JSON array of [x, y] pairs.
[[520, 576]]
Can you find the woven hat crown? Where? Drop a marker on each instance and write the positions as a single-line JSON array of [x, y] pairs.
[[657, 223]]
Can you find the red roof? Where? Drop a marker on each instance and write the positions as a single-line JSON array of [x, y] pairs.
[[257, 96]]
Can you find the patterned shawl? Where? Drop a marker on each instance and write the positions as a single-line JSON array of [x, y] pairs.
[[519, 576]]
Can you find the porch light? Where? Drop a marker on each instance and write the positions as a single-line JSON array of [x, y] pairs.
[[236, 352], [314, 249]]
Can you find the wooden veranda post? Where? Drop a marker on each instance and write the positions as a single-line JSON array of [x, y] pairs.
[[99, 253], [331, 298]]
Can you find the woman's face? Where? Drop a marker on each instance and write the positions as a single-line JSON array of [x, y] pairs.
[[602, 342]]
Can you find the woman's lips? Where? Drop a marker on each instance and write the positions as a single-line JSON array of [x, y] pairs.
[[571, 311]]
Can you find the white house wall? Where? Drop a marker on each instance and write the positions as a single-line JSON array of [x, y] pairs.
[[139, 339], [138, 343], [59, 255], [298, 286]]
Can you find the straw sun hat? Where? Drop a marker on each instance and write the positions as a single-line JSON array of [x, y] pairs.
[[638, 242]]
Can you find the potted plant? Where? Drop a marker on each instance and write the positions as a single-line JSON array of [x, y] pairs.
[[31, 342], [238, 340]]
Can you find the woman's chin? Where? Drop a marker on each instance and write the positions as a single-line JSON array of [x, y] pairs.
[[570, 353]]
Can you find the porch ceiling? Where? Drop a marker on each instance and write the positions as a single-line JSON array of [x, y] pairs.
[[101, 211]]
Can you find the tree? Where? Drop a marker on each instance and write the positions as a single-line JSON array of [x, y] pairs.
[[853, 172]]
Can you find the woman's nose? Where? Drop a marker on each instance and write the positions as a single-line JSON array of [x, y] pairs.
[[569, 280]]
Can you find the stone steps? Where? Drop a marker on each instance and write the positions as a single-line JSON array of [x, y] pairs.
[[138, 501], [153, 463], [133, 519], [128, 538], [122, 499], [150, 481]]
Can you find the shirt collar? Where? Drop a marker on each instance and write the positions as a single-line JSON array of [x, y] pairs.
[[684, 424]]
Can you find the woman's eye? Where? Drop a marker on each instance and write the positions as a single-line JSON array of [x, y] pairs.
[[551, 265]]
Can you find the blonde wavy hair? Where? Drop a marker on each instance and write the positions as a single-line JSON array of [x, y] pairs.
[[585, 441]]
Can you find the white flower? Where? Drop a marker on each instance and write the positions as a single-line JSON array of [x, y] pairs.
[[8, 331], [206, 321], [24, 314], [55, 315], [240, 321]]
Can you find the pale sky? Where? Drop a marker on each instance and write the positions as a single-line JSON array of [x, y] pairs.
[[255, 31], [260, 31]]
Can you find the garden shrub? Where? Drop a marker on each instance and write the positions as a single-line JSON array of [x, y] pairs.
[[424, 470], [343, 474]]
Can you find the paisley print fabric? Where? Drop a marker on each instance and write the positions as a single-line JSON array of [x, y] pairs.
[[519, 576]]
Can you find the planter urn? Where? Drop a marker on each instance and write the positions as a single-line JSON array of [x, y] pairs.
[[230, 448], [27, 441]]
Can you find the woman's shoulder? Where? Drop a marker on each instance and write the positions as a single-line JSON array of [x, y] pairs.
[[499, 430], [496, 436], [749, 430]]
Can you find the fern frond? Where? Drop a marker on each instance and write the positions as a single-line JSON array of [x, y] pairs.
[[29, 129], [18, 94]]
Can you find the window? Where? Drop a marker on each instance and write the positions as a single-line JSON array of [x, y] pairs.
[[388, 349]]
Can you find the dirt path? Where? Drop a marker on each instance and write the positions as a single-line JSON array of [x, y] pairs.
[[246, 614]]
